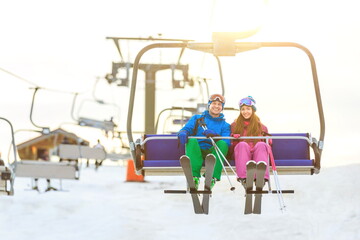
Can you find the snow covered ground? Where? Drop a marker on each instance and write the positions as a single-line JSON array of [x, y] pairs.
[[102, 205]]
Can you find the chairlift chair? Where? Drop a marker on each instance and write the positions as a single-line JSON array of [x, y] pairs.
[[30, 167], [7, 175], [158, 154], [106, 125]]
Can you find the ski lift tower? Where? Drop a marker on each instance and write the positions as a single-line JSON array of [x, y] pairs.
[[119, 68]]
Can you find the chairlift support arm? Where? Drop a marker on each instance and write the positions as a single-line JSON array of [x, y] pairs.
[[12, 139], [45, 129], [221, 76], [73, 107]]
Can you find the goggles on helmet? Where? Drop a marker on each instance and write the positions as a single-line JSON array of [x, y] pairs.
[[217, 97]]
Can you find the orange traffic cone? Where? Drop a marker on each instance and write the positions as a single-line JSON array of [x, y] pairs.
[[131, 175]]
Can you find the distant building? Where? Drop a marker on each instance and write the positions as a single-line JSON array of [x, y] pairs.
[[33, 148]]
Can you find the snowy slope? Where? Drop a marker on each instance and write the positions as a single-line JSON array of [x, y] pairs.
[[101, 205]]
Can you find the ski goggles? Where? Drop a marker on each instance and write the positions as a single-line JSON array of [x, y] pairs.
[[217, 97], [247, 102]]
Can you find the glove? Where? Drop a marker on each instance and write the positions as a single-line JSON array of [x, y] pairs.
[[210, 133], [236, 135], [183, 137]]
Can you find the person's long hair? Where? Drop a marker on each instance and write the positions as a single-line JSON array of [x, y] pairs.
[[253, 129]]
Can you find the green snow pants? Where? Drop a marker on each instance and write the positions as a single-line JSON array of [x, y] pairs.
[[197, 156]]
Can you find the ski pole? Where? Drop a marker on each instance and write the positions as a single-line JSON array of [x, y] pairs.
[[218, 149], [219, 154], [227, 162], [216, 146], [279, 192], [269, 161], [232, 188], [277, 183]]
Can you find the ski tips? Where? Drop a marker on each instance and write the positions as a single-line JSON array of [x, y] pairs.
[[210, 155], [251, 162], [261, 163]]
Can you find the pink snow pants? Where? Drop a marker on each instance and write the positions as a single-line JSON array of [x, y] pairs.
[[243, 153]]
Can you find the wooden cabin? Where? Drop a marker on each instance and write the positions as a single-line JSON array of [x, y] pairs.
[[33, 148]]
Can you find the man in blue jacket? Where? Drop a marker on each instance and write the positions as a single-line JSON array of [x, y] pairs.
[[198, 149]]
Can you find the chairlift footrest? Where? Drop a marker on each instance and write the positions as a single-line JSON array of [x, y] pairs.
[[175, 191], [185, 191], [269, 192]]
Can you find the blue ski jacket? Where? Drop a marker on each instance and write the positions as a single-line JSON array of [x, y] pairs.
[[217, 124]]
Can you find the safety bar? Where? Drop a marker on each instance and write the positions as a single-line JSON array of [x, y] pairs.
[[309, 140]]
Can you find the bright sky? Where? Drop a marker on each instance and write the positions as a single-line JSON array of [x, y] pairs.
[[61, 45]]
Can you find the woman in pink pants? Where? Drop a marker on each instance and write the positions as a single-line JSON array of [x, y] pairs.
[[244, 150]]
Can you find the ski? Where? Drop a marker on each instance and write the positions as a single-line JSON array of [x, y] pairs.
[[250, 171], [259, 183], [186, 166], [209, 170], [271, 192]]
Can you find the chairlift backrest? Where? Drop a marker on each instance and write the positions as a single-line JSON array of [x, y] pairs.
[[71, 151], [163, 149], [48, 170], [291, 148]]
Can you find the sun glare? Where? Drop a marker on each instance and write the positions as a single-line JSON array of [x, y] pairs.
[[238, 15]]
